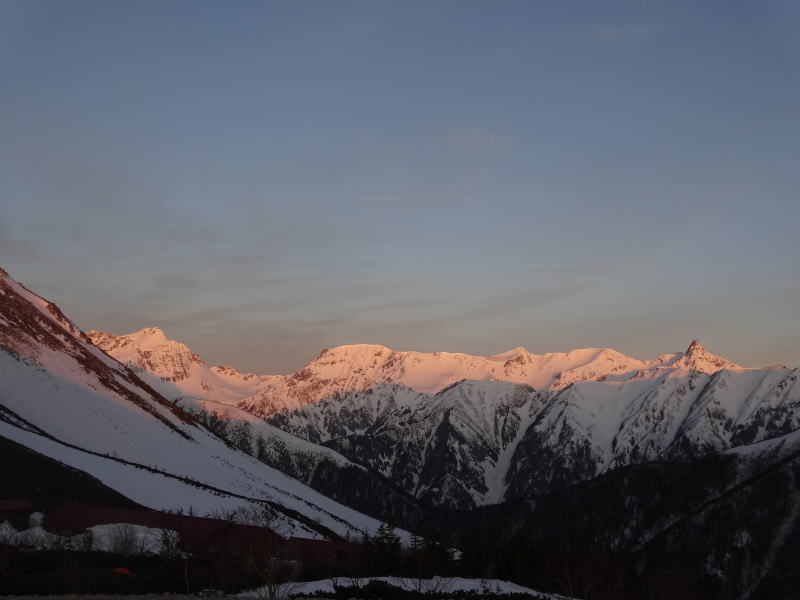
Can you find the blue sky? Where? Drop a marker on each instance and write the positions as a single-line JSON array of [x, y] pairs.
[[266, 179]]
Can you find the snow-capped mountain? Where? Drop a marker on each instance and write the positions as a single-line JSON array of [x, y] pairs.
[[63, 397], [478, 443], [451, 448], [357, 368], [151, 351], [463, 430]]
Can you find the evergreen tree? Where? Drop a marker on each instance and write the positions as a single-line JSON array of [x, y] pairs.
[[261, 448], [240, 435], [386, 549]]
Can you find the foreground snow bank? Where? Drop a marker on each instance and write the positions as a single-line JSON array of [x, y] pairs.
[[435, 585], [127, 538], [33, 537]]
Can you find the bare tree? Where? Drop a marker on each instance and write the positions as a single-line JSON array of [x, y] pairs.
[[123, 539], [8, 552], [83, 541], [172, 552], [170, 544], [356, 581], [37, 539], [579, 574], [262, 554], [433, 586]]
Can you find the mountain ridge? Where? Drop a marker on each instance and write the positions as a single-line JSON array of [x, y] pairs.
[[357, 367]]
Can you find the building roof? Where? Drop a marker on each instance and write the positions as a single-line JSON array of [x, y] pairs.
[[15, 505], [75, 518]]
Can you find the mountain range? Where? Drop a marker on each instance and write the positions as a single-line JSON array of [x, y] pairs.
[[462, 431], [359, 367], [686, 465]]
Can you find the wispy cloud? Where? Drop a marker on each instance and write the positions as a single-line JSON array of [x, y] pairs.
[[11, 246], [591, 269], [523, 300], [401, 199]]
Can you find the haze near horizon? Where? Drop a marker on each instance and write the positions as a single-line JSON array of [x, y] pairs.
[[265, 180]]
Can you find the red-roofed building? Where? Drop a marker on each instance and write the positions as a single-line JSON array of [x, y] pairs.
[[16, 511], [201, 535], [195, 532]]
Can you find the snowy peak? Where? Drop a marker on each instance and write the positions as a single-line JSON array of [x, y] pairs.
[[185, 373], [594, 364], [695, 347], [144, 339], [355, 356], [512, 354], [149, 349], [697, 358], [153, 335], [354, 350]]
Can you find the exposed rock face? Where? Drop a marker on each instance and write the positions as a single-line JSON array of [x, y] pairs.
[[698, 358]]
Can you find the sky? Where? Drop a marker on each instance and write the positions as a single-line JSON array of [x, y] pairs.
[[266, 179]]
